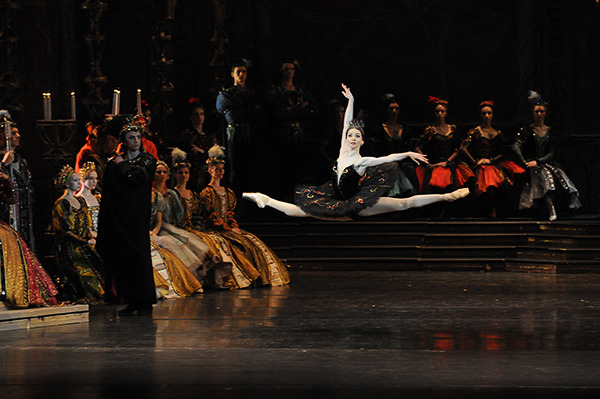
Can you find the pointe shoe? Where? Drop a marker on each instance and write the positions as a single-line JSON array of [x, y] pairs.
[[551, 210], [460, 193], [552, 215], [258, 198]]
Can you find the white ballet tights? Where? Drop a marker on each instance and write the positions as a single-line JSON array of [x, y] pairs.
[[387, 204], [286, 207], [384, 205]]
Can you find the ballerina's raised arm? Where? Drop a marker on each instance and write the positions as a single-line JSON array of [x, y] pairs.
[[347, 116]]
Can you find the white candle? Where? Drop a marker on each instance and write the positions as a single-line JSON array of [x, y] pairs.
[[139, 101], [49, 106], [114, 104], [118, 102], [73, 109]]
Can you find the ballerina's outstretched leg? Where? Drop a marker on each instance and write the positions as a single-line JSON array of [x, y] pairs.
[[384, 205], [387, 204], [263, 200]]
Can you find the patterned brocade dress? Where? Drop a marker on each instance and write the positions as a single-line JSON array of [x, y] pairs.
[[251, 262], [171, 259], [217, 211], [24, 279], [79, 265]]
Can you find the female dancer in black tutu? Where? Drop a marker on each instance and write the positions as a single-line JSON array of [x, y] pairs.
[[535, 150], [358, 185]]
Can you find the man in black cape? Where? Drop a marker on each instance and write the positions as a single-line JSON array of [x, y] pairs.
[[123, 224]]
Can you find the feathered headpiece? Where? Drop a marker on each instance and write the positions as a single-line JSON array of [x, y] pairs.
[[434, 101], [64, 175], [86, 169], [193, 101], [216, 155], [487, 103], [535, 98], [179, 159], [389, 98]]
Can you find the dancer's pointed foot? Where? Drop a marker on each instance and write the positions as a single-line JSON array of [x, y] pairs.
[[460, 193], [260, 199]]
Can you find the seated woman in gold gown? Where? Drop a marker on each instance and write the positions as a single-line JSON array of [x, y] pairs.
[[217, 204], [172, 259], [235, 268]]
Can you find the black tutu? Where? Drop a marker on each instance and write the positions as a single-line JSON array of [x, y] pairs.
[[353, 193], [548, 177]]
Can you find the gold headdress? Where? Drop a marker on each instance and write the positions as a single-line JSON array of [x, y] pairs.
[[64, 176], [86, 169]]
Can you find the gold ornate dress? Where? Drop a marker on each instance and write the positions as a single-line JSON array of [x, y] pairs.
[[234, 270], [217, 213], [79, 264], [21, 275], [170, 259]]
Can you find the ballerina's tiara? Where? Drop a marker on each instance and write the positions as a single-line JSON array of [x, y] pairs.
[[357, 124]]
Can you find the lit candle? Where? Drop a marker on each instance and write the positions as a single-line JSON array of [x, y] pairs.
[[73, 110], [114, 104], [45, 106], [139, 101], [118, 102], [49, 106]]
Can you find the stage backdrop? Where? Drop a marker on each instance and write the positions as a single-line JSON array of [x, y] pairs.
[[464, 51]]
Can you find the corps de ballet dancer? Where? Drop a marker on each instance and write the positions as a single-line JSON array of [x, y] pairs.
[[358, 183]]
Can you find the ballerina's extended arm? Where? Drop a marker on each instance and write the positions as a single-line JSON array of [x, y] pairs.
[[374, 161], [347, 116]]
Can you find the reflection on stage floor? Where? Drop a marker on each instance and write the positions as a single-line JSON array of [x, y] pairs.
[[329, 334]]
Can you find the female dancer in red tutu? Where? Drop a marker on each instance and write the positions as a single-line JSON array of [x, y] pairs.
[[485, 149], [440, 143]]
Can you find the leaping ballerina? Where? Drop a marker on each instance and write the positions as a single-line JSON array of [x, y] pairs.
[[358, 183]]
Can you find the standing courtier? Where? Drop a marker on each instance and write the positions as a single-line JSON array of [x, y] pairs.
[[123, 238], [19, 215], [239, 105]]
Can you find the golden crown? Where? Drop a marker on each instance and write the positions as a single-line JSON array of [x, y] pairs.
[[65, 175]]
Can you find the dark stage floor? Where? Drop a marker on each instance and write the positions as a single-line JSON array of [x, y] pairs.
[[330, 334]]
